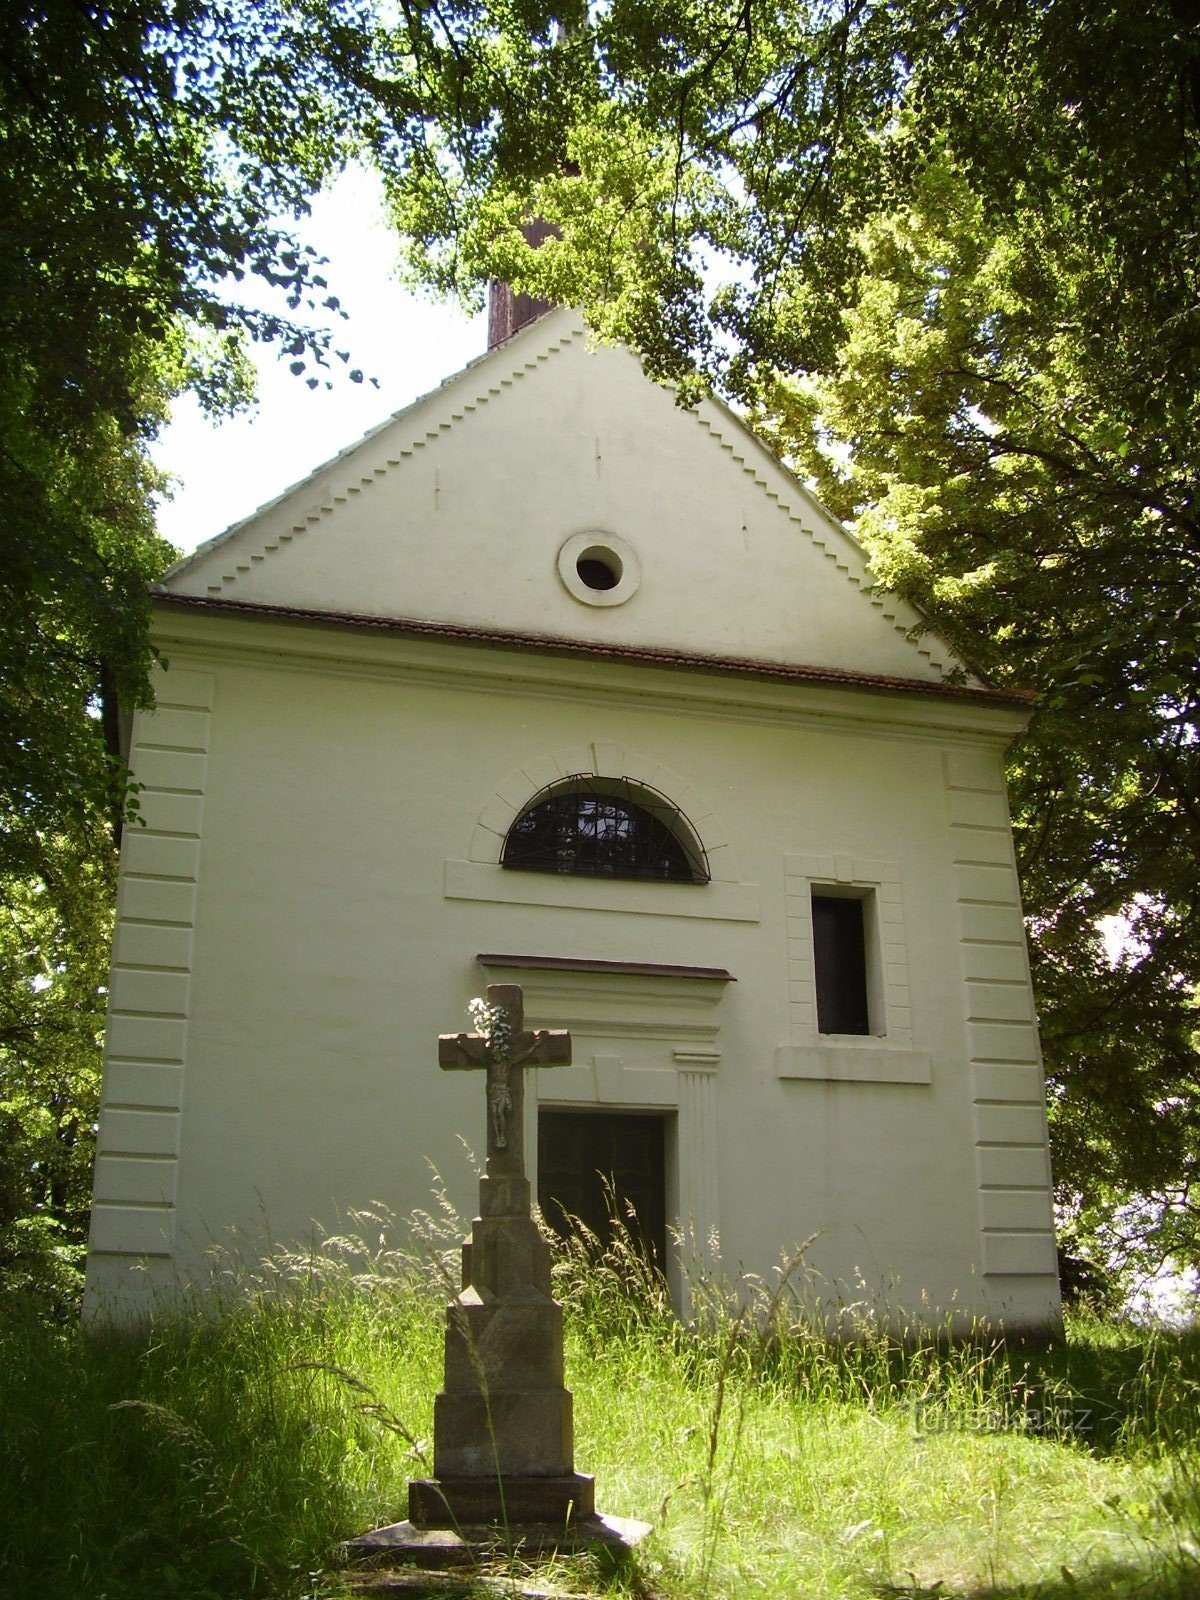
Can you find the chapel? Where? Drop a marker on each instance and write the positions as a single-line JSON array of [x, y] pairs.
[[551, 681]]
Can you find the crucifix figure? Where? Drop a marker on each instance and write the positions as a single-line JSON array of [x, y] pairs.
[[503, 1046]]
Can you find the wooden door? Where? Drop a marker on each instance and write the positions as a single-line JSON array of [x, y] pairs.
[[586, 1156]]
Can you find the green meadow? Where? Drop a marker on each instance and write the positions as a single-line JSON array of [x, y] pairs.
[[228, 1452]]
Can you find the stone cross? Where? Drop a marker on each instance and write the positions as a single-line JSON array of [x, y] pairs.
[[503, 1431], [503, 1048], [503, 1445]]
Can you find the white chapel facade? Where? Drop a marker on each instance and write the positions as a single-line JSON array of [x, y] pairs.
[[550, 681]]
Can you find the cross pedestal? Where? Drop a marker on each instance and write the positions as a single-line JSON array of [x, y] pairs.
[[503, 1446]]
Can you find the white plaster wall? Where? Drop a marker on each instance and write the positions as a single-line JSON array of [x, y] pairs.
[[345, 783], [457, 509]]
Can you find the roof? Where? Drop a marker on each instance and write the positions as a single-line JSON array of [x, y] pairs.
[[980, 694], [463, 515]]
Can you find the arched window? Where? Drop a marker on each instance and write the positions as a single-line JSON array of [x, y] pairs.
[[605, 828]]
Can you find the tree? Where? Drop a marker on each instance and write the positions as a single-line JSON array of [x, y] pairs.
[[143, 156], [962, 291], [999, 478], [54, 950], [152, 158], [1016, 388], [143, 159], [947, 254]]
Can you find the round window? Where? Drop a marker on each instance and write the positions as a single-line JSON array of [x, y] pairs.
[[599, 569]]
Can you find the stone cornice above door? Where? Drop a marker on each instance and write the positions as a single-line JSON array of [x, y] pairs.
[[616, 999]]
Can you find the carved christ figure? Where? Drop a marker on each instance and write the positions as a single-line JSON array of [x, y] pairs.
[[502, 1046], [495, 1031], [499, 1098]]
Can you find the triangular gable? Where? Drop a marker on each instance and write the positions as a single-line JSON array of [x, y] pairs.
[[457, 511]]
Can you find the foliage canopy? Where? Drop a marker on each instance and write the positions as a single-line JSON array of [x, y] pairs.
[[946, 254], [949, 257], [130, 200]]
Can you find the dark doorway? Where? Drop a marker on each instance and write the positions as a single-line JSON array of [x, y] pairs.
[[580, 1152]]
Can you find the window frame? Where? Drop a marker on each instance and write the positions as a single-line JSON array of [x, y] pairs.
[[878, 884], [888, 1054]]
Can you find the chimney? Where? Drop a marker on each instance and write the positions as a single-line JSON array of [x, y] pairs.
[[508, 311]]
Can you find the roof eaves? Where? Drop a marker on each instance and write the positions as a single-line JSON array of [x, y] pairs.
[[839, 677]]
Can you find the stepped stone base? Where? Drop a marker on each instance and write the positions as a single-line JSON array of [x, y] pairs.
[[448, 1502], [470, 1546], [526, 1434]]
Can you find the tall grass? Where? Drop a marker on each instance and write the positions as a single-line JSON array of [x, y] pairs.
[[220, 1454], [228, 1454], [886, 1461]]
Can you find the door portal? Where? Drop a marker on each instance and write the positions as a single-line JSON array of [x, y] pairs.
[[583, 1156]]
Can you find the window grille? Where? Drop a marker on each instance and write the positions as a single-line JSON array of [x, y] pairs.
[[604, 828]]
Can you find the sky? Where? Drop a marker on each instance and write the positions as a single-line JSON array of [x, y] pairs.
[[408, 342]]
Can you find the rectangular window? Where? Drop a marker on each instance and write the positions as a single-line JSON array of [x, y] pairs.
[[848, 958], [840, 958]]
